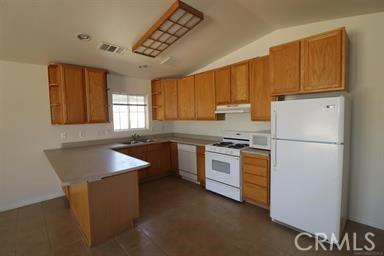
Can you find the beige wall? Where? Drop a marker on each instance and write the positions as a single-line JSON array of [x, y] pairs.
[[366, 90], [25, 130]]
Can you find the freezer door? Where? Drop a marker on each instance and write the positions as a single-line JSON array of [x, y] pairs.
[[318, 120], [306, 182]]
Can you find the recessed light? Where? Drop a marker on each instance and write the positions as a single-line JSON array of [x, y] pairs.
[[84, 37], [143, 66]]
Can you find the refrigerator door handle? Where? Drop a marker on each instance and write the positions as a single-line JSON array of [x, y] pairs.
[[274, 161], [274, 123]]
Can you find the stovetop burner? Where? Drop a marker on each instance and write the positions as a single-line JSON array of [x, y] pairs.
[[223, 144], [226, 144], [238, 146]]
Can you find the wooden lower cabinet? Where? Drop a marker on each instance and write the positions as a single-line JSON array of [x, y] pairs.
[[201, 165], [159, 155], [256, 178], [100, 209], [174, 157]]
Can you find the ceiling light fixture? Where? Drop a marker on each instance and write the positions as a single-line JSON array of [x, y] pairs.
[[84, 37], [143, 66], [172, 25]]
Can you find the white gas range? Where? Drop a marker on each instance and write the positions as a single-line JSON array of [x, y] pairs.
[[223, 164]]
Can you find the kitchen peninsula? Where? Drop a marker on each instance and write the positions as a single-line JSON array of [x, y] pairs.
[[101, 186], [101, 180]]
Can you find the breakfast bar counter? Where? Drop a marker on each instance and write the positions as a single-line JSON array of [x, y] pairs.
[[101, 186]]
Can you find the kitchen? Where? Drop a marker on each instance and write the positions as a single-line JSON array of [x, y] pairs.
[[183, 117]]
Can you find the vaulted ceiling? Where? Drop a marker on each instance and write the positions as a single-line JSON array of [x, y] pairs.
[[44, 31]]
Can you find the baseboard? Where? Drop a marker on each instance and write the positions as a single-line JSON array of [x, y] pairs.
[[30, 201], [366, 222]]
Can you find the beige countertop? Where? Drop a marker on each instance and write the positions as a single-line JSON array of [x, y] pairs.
[[91, 163], [74, 165], [256, 151]]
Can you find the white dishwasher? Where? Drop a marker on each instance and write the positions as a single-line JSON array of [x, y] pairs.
[[187, 162]]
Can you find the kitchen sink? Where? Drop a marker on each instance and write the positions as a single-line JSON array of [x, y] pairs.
[[140, 141]]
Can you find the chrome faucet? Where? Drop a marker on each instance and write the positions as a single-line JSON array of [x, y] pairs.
[[135, 137]]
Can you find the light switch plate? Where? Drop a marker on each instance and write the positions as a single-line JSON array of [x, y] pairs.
[[82, 134]]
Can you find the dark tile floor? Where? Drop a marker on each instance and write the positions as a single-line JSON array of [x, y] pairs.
[[177, 218]]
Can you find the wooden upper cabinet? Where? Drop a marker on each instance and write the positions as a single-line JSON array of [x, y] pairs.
[[170, 99], [97, 96], [78, 95], [157, 100], [223, 85], [240, 82], [205, 96], [75, 111], [186, 98], [313, 64], [260, 87], [324, 61], [285, 68]]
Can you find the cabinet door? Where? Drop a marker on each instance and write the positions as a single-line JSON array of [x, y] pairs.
[[323, 61], [205, 96], [97, 97], [186, 97], [240, 83], [174, 157], [285, 68], [165, 158], [170, 99], [223, 85], [74, 95], [160, 158], [142, 172], [260, 87], [157, 100], [201, 164]]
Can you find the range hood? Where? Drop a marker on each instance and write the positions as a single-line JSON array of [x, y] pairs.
[[233, 108]]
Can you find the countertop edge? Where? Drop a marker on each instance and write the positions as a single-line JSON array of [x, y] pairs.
[[100, 177]]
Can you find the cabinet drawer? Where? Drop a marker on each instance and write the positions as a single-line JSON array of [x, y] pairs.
[[133, 150], [256, 170], [255, 193], [257, 180], [256, 161], [156, 146]]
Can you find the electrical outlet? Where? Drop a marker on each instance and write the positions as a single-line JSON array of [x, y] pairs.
[[82, 134], [63, 135]]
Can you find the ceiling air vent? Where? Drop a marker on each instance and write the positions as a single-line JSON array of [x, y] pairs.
[[107, 47]]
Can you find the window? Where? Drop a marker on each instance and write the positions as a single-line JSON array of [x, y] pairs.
[[129, 112]]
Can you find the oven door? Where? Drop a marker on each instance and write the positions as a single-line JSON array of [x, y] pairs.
[[223, 168]]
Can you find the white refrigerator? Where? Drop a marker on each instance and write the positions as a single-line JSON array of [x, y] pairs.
[[309, 165]]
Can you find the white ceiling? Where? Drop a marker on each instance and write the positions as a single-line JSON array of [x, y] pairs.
[[43, 31]]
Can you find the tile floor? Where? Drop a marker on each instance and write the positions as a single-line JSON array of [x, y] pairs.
[[177, 218]]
